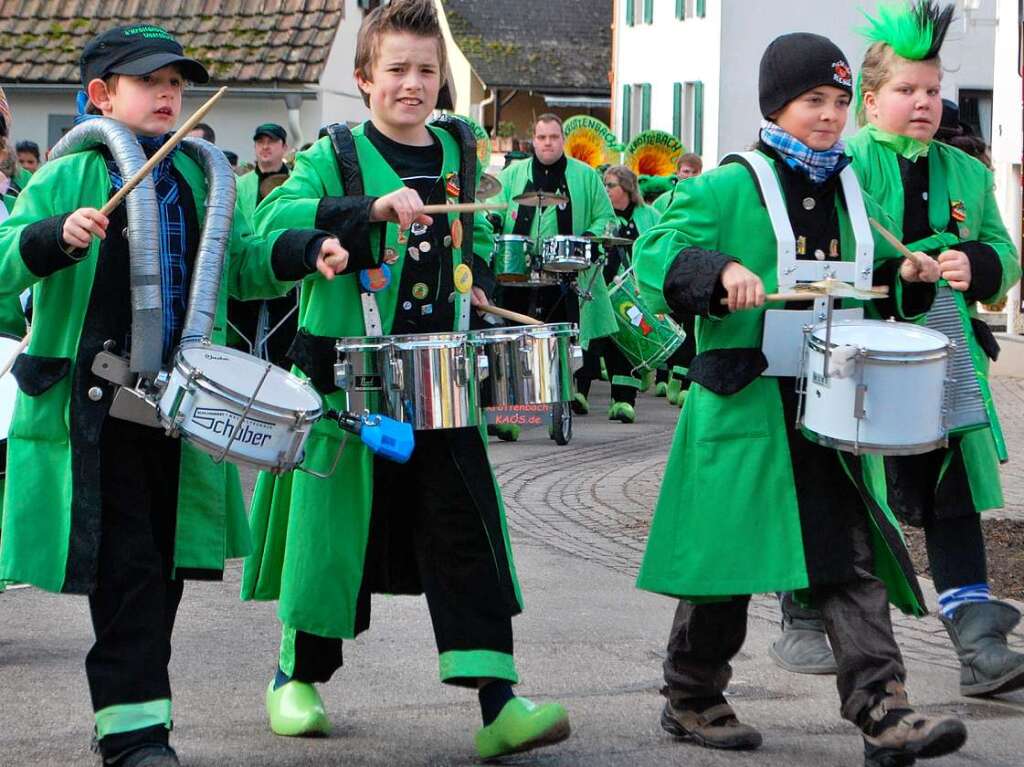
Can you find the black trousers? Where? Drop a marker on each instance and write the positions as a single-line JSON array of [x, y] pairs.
[[434, 529], [705, 637], [615, 363], [945, 509], [135, 600]]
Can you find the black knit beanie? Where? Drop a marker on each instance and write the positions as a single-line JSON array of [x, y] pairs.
[[796, 63]]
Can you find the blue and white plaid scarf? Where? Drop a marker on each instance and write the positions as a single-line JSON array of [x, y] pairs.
[[817, 166]]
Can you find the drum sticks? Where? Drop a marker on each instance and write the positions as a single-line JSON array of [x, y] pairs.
[[14, 357], [522, 319], [161, 153], [464, 207], [896, 243]]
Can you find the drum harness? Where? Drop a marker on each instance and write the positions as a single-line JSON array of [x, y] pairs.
[[140, 378], [785, 330]]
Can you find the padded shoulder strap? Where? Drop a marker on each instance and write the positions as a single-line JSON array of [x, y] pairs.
[[771, 195], [348, 161]]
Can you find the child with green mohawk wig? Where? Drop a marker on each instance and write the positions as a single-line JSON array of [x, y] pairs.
[[942, 201]]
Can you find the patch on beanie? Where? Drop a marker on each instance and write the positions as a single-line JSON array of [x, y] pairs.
[[841, 73]]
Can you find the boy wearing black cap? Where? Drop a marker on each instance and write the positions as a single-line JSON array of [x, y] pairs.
[[796, 515], [98, 505], [266, 327]]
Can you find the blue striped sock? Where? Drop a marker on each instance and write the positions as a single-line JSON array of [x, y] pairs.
[[951, 599]]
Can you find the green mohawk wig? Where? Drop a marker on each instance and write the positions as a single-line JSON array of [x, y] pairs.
[[914, 30]]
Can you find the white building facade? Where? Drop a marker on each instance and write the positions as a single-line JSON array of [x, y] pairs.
[[690, 67]]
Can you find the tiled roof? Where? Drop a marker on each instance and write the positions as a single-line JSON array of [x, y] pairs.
[[254, 42], [554, 46]]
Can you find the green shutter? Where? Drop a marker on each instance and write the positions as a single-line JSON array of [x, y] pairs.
[[627, 107], [645, 107], [629, 13], [701, 10], [648, 11], [677, 110], [698, 118], [680, 9]]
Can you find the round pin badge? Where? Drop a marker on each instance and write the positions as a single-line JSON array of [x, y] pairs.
[[463, 277], [375, 280], [419, 229], [390, 255], [414, 253], [457, 233], [420, 291], [425, 246], [447, 241]]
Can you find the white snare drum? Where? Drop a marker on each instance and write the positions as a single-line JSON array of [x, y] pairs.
[[565, 253], [235, 406], [437, 380], [529, 365], [8, 394], [884, 391]]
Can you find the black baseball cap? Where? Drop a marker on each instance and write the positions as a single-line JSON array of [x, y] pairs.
[[271, 129], [137, 49]]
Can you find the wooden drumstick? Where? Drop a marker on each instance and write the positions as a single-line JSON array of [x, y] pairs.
[[14, 357], [897, 243], [522, 319], [161, 153], [464, 207]]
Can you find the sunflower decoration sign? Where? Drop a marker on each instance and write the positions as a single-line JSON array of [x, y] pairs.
[[653, 153], [483, 142], [589, 140]]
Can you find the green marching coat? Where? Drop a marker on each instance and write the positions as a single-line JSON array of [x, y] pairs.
[[310, 535], [248, 188], [592, 213], [953, 177], [727, 521], [47, 516]]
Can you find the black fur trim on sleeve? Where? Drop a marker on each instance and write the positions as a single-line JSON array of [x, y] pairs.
[[290, 258], [693, 284], [986, 270], [43, 248], [348, 219], [986, 338], [727, 371]]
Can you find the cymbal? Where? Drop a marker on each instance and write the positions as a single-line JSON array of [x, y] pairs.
[[609, 241], [839, 289], [540, 199], [488, 187]]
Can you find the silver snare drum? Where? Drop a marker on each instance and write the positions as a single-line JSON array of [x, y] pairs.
[[529, 365], [565, 253], [436, 379], [360, 373]]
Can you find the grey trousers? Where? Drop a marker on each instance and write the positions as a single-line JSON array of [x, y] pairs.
[[706, 636]]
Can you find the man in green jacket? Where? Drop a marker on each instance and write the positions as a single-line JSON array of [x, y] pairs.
[[94, 504], [266, 328], [589, 211]]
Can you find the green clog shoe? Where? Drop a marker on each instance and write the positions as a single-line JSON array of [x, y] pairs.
[[295, 709], [622, 411], [507, 432], [522, 725], [661, 389], [681, 397], [579, 404]]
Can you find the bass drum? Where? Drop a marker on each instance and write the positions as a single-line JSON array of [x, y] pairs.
[[8, 394]]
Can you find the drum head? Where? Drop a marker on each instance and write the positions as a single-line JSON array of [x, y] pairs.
[[881, 336], [240, 374], [8, 386]]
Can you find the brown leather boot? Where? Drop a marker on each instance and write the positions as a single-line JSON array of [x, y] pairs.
[[895, 735], [712, 727]]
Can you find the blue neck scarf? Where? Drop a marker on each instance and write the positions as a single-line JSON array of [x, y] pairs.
[[818, 166]]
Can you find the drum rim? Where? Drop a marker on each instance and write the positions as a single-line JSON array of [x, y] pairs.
[[515, 332], [875, 448], [421, 340], [227, 394], [818, 344]]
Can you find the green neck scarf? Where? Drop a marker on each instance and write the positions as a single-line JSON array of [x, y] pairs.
[[904, 146]]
